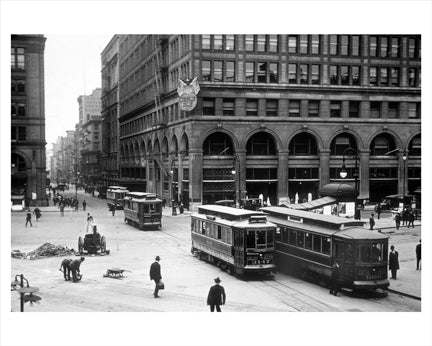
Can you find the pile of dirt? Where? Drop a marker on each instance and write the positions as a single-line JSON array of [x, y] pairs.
[[46, 250]]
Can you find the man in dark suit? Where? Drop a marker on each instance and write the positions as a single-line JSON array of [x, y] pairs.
[[155, 274], [216, 296], [335, 274], [418, 254], [74, 267], [393, 262]]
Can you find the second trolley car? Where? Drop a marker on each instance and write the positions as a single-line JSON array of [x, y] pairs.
[[115, 195], [143, 210], [240, 241], [311, 243]]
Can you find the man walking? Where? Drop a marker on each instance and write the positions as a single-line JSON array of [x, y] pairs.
[[398, 220], [84, 204], [418, 255], [216, 296], [37, 213], [393, 262], [410, 219], [74, 267], [155, 274], [28, 218], [371, 222]]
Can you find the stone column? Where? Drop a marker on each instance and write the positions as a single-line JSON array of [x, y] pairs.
[[195, 178], [324, 170], [241, 153], [282, 175]]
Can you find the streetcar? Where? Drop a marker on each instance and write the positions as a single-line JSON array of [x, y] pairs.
[[115, 195], [143, 210], [310, 243], [237, 240]]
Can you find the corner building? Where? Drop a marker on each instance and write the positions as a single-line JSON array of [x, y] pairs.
[[28, 160], [275, 115]]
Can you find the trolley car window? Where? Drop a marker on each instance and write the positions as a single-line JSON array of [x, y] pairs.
[[284, 234], [300, 239], [219, 232], [278, 233], [203, 227], [317, 243], [229, 236], [261, 239], [326, 245], [270, 238], [365, 253], [308, 241], [293, 237], [250, 239]]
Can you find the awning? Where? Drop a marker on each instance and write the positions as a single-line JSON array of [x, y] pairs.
[[315, 204]]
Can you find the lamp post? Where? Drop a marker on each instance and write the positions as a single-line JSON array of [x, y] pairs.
[[233, 171], [343, 173], [25, 292], [404, 158], [174, 210]]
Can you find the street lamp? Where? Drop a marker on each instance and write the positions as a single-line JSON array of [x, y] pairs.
[[174, 211], [343, 173], [25, 292], [233, 171], [404, 158]]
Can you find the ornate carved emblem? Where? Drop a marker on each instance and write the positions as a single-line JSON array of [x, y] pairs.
[[187, 91]]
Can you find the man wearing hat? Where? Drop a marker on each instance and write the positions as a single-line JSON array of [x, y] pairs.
[[216, 296], [155, 274], [74, 267]]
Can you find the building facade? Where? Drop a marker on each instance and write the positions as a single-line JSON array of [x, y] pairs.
[[276, 115], [110, 111], [90, 137], [28, 156]]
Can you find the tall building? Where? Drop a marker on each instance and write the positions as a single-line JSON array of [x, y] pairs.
[[28, 160], [276, 115], [110, 111], [90, 137]]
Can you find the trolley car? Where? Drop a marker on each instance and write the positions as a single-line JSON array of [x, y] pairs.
[[115, 195], [310, 243], [240, 241], [143, 210]]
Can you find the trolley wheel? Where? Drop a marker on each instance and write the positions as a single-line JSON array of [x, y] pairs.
[[103, 244], [80, 245]]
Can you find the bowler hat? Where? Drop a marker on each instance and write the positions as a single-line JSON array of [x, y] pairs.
[[217, 280], [157, 258]]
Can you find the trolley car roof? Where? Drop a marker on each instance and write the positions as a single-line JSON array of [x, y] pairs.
[[361, 234], [228, 213]]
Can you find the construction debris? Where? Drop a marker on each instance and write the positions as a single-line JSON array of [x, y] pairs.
[[46, 250]]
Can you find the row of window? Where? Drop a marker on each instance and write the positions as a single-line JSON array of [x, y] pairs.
[[305, 73], [18, 133], [313, 108], [17, 58], [306, 240], [343, 45], [212, 230], [18, 86]]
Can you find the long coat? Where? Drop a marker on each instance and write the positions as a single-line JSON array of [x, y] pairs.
[[216, 295], [394, 260], [155, 271]]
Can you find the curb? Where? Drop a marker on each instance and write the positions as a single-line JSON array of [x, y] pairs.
[[404, 294]]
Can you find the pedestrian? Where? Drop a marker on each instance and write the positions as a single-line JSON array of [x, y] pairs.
[[61, 209], [89, 222], [393, 262], [37, 213], [64, 267], [410, 219], [74, 267], [216, 296], [378, 210], [84, 204], [371, 221], [397, 220], [335, 277], [404, 216], [418, 255], [155, 275], [28, 218], [47, 199], [113, 208]]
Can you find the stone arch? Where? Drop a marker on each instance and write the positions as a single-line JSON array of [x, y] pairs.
[[217, 143], [384, 142], [303, 143], [342, 141], [184, 145], [174, 145], [318, 140], [227, 132], [164, 147], [414, 145], [397, 140], [276, 139], [352, 134], [156, 147], [149, 147]]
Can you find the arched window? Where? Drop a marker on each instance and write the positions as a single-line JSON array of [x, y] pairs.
[[342, 142], [17, 164], [415, 146], [261, 143], [303, 144], [381, 145], [218, 143]]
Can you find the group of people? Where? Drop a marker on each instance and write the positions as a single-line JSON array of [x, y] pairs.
[[36, 212], [406, 217]]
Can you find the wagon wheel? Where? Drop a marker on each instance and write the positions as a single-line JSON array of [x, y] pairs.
[[103, 245], [80, 245]]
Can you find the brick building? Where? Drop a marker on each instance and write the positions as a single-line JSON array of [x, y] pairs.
[[28, 160], [275, 115]]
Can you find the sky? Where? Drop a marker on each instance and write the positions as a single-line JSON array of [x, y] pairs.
[[72, 68]]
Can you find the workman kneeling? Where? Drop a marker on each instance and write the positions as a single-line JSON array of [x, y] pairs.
[[74, 267]]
